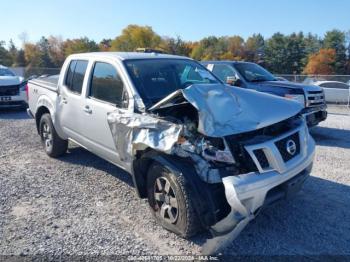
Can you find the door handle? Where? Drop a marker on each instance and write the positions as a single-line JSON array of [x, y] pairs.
[[87, 110]]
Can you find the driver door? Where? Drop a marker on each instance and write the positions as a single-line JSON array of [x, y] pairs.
[[105, 92]]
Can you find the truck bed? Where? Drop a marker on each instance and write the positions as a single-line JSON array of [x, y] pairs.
[[42, 91], [48, 82]]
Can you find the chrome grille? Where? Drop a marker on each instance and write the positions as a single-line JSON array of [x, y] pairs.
[[315, 98], [9, 90], [281, 145], [261, 157]]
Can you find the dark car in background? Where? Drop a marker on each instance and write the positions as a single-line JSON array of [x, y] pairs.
[[252, 76]]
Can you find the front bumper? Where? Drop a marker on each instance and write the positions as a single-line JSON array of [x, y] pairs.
[[251, 189], [19, 100], [315, 115], [248, 193]]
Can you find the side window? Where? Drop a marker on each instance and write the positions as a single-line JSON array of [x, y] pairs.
[[70, 73], [194, 75], [341, 86], [106, 84], [75, 75], [223, 71]]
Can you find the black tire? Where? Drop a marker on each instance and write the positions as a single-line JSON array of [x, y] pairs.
[[181, 220], [53, 145]]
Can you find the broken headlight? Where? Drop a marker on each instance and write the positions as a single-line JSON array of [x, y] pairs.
[[217, 150]]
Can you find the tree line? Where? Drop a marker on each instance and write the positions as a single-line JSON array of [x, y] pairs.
[[296, 53]]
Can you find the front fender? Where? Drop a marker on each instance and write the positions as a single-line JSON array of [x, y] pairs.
[[207, 198]]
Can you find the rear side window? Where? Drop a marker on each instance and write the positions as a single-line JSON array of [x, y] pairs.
[[75, 75], [106, 84]]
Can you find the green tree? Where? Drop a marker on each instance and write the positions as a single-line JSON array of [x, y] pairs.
[[44, 52], [207, 49], [33, 56], [335, 39], [56, 50], [13, 52], [134, 36], [235, 46], [255, 48], [312, 44], [20, 58], [197, 51], [295, 53], [275, 54], [80, 45], [5, 57], [175, 46], [285, 54], [105, 44]]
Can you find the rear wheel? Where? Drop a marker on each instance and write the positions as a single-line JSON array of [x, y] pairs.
[[54, 145], [170, 200]]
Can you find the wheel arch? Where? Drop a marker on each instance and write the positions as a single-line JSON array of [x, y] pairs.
[[205, 197], [39, 113]]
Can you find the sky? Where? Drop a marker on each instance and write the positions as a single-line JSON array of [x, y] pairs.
[[190, 19]]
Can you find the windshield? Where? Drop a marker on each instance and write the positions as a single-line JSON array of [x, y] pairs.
[[6, 72], [254, 73], [154, 79]]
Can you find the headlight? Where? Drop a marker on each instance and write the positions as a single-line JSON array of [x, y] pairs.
[[212, 153], [298, 98], [211, 149], [22, 86]]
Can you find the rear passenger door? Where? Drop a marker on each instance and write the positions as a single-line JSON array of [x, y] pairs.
[[106, 92], [71, 100]]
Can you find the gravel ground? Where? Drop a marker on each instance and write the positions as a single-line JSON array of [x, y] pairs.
[[82, 205]]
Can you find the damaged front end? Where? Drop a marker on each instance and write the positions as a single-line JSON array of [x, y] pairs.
[[231, 136]]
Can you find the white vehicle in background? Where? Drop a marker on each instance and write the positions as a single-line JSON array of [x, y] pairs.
[[12, 89], [335, 91]]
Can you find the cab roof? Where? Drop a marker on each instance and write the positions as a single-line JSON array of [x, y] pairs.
[[129, 55]]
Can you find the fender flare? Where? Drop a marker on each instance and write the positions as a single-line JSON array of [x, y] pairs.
[[45, 101]]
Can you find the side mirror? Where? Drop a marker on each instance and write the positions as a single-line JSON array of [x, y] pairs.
[[231, 80]]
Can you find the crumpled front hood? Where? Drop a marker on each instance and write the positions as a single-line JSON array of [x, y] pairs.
[[10, 80], [225, 110], [290, 85]]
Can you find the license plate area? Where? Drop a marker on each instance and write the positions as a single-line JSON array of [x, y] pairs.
[[5, 98]]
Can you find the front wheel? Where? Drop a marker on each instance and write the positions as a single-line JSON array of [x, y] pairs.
[[54, 145], [169, 198]]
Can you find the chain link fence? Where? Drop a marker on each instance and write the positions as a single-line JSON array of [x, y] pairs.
[[27, 72], [39, 71]]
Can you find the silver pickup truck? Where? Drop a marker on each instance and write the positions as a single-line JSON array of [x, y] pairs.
[[206, 155]]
